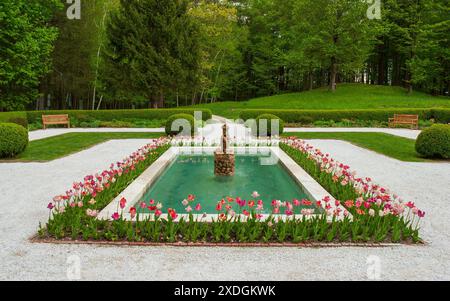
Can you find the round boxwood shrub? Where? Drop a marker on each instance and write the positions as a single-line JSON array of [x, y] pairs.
[[270, 118], [175, 117], [434, 142], [13, 139]]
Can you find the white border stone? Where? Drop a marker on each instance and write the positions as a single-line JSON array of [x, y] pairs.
[[136, 190]]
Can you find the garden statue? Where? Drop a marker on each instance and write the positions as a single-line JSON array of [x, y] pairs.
[[224, 160]]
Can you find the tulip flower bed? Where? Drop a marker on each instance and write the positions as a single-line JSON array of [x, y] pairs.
[[369, 213], [74, 213], [381, 213]]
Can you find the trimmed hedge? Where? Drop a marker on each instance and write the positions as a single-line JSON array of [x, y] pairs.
[[434, 142], [15, 117], [293, 116], [172, 118], [13, 139], [269, 118], [110, 115], [24, 118]]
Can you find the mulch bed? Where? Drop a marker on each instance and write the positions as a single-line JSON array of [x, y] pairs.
[[36, 239]]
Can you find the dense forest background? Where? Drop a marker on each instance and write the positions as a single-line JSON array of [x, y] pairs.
[[152, 53]]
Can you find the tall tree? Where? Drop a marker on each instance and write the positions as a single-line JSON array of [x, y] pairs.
[[430, 65], [220, 39], [26, 44], [76, 60], [152, 48], [343, 34]]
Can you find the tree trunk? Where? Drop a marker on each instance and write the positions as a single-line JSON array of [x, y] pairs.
[[161, 100], [381, 65], [201, 96], [154, 101], [333, 74]]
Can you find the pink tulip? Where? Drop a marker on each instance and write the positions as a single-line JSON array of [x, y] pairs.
[[410, 205], [115, 216], [198, 207]]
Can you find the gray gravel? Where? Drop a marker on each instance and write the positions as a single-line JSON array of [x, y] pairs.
[[27, 188], [406, 133]]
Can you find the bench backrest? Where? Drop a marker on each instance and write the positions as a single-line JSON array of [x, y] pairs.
[[55, 118], [400, 117]]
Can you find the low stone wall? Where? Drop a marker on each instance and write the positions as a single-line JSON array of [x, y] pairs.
[[224, 164]]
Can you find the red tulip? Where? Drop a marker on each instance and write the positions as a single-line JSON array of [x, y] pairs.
[[172, 213], [122, 203], [133, 212]]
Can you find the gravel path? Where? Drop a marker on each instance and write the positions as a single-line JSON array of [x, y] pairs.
[[27, 188], [411, 134]]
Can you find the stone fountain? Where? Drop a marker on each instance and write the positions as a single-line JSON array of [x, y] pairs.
[[224, 159]]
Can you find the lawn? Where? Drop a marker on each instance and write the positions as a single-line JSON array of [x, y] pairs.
[[347, 97], [59, 146], [399, 148]]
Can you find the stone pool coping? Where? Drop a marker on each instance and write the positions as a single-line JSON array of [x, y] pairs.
[[136, 190]]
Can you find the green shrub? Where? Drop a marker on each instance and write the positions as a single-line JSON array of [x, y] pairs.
[[14, 117], [116, 124], [269, 118], [381, 115], [120, 115], [172, 118], [434, 142], [441, 115], [13, 139]]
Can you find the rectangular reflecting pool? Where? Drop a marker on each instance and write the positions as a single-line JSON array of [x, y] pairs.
[[194, 174]]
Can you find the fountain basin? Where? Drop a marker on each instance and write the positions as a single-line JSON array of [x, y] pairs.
[[190, 170]]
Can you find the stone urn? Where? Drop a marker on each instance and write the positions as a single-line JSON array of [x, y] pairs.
[[224, 159]]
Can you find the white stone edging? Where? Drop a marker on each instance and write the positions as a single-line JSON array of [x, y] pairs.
[[136, 190]]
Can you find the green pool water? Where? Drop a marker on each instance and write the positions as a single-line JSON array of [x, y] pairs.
[[194, 174]]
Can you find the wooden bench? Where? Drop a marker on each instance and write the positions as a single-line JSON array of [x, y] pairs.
[[411, 120], [55, 119]]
